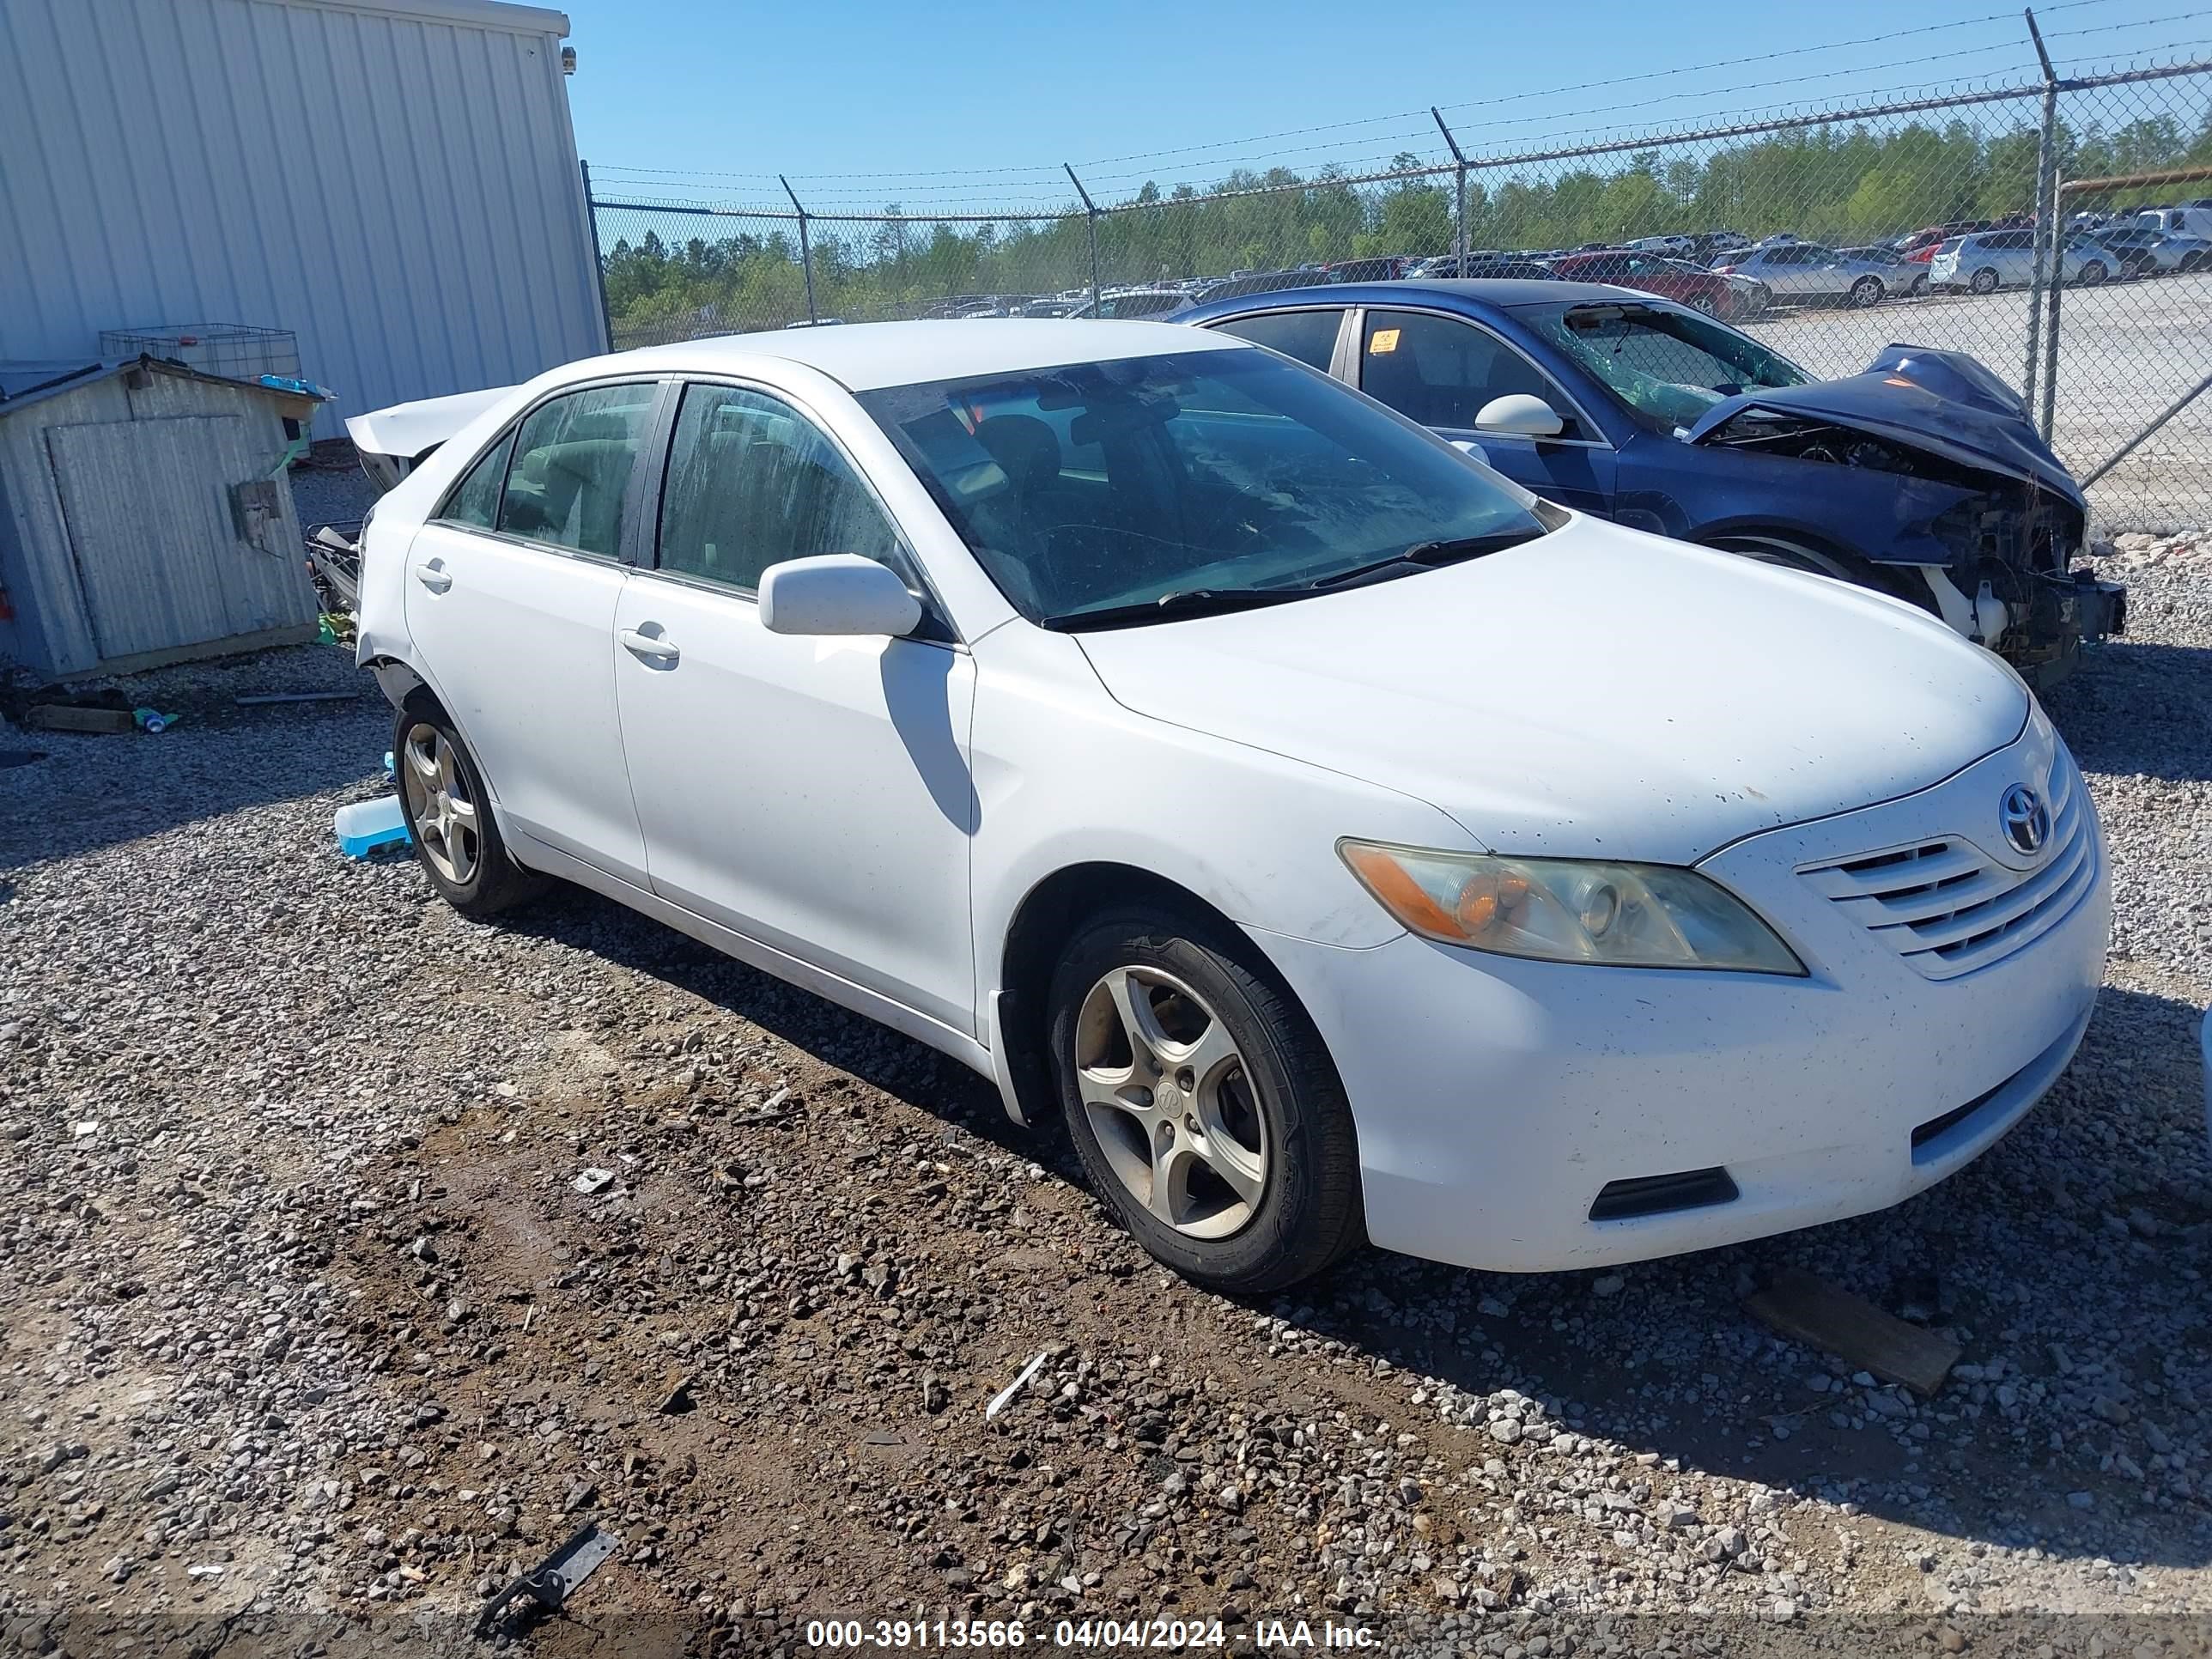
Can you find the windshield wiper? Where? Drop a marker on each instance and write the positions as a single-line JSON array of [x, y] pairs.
[[1170, 607], [1424, 556]]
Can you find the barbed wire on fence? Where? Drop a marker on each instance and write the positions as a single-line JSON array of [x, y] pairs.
[[1983, 160]]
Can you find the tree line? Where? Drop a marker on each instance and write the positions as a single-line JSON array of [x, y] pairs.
[[1827, 184]]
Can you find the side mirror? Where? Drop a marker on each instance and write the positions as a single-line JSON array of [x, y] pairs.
[[1519, 416], [1468, 446], [838, 594]]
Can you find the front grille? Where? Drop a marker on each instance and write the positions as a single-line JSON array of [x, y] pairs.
[[1947, 908]]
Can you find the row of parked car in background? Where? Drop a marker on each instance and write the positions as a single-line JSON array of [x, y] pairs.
[[1722, 273]]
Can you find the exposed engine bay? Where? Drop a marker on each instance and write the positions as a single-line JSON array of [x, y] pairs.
[[1995, 550]]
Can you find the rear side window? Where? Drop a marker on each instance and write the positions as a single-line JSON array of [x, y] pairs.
[[1308, 335], [475, 499], [573, 458], [751, 482]]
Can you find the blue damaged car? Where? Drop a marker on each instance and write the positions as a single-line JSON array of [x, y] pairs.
[[1921, 477]]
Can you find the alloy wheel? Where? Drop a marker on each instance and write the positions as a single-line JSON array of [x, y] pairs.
[[1865, 292], [438, 801], [1171, 1101]]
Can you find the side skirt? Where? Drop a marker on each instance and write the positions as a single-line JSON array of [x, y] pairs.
[[537, 855]]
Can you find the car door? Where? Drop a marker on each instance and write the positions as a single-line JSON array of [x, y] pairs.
[[1791, 270], [511, 597], [812, 794], [1441, 370]]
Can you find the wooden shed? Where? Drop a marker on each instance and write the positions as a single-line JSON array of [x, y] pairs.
[[146, 516]]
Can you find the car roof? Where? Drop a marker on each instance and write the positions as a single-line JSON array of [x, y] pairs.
[[1503, 293], [864, 356]]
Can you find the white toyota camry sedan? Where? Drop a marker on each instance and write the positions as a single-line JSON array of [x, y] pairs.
[[1344, 842]]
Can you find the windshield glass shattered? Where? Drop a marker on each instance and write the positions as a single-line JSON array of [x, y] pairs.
[[1669, 367], [1111, 494]]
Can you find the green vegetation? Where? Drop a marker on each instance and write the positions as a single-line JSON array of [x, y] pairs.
[[1830, 183]]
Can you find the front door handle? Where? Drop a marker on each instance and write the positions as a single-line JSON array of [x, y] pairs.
[[652, 647], [432, 577]]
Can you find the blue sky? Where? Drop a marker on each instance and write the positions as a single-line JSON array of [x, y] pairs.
[[942, 106]]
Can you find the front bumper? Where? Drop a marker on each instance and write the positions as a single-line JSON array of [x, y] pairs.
[[1497, 1099]]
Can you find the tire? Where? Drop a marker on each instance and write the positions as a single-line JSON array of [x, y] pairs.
[[1273, 1112], [1796, 556], [2189, 262], [1705, 305], [1984, 281], [2093, 273], [1919, 288], [450, 822], [1866, 292]]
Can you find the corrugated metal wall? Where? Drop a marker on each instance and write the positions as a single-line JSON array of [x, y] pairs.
[[394, 180]]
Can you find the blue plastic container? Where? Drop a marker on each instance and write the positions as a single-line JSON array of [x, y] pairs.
[[366, 825]]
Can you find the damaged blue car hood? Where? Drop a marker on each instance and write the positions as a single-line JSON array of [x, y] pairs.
[[1943, 402]]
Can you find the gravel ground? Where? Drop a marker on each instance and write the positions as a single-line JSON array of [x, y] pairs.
[[310, 1339]]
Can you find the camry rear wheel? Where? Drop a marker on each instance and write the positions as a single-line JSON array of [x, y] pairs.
[[1202, 1102], [448, 812], [1866, 292]]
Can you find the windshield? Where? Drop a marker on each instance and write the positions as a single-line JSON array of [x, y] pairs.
[[1203, 477], [1669, 367]]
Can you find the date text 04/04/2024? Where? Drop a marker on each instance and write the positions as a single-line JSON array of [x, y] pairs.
[[909, 1635]]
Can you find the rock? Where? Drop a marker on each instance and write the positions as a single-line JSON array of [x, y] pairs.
[[1607, 1285], [1780, 1611], [2081, 1500], [1506, 1431]]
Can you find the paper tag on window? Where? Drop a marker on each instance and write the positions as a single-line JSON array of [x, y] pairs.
[[1381, 340]]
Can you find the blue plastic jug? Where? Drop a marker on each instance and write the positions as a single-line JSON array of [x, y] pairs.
[[366, 825]]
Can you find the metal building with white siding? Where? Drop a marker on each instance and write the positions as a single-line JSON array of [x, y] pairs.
[[394, 181]]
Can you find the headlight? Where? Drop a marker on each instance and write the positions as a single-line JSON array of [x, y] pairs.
[[1627, 915]]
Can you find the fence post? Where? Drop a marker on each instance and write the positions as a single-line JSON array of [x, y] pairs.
[[1091, 228], [805, 251], [2046, 263], [598, 259], [1459, 210]]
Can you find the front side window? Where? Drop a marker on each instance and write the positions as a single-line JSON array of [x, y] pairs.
[[1441, 371], [1668, 365], [1308, 335], [573, 457], [751, 482], [1143, 489]]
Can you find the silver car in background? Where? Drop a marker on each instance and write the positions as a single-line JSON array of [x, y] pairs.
[[1990, 259], [1808, 271]]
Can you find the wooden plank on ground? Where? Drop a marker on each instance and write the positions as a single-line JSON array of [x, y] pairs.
[[1826, 1316], [67, 717]]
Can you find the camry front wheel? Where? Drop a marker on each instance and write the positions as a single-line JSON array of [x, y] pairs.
[[1202, 1102]]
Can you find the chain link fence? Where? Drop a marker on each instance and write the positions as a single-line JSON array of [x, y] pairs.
[[2058, 229]]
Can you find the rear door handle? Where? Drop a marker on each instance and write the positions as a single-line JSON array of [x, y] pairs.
[[433, 577], [653, 647]]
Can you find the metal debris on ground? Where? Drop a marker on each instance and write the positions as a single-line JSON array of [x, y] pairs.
[[257, 699], [1005, 1396], [554, 1579], [1811, 1310]]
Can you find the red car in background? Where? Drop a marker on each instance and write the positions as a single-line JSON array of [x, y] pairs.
[[1651, 273]]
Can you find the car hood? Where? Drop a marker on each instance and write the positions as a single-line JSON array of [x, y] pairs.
[[1596, 692], [1943, 402]]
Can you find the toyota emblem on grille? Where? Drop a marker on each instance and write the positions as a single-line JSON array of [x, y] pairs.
[[2026, 819]]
